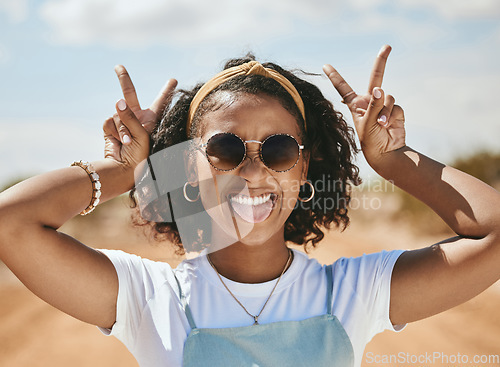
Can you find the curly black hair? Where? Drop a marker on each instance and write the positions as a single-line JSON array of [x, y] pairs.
[[329, 143]]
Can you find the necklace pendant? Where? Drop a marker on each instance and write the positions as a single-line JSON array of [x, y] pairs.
[[256, 319]]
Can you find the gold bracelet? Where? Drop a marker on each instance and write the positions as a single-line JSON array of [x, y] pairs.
[[96, 185]]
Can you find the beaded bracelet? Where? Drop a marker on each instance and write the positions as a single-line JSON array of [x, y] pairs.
[[96, 185]]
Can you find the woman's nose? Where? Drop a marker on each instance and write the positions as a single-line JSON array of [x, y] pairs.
[[253, 155], [252, 167]]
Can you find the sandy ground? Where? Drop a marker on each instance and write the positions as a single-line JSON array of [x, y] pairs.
[[35, 334]]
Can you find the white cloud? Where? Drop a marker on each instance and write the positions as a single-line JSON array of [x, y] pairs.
[[133, 23], [414, 32], [458, 9], [450, 9], [16, 10]]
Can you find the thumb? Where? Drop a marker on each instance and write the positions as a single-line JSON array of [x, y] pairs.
[[376, 105]]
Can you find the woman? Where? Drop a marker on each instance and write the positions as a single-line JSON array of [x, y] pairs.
[[257, 135]]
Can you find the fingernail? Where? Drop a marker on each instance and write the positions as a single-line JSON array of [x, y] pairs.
[[122, 105], [382, 119], [377, 93], [126, 139]]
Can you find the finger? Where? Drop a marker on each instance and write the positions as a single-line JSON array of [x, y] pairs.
[[109, 128], [385, 115], [361, 112], [340, 84], [129, 126], [123, 133], [374, 107], [378, 70], [164, 97], [128, 88], [397, 115]]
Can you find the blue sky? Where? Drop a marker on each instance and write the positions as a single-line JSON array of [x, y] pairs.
[[57, 82]]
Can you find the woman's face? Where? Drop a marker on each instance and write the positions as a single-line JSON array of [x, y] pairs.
[[257, 200]]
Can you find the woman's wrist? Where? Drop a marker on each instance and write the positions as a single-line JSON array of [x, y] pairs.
[[50, 199], [116, 178], [388, 164], [96, 185]]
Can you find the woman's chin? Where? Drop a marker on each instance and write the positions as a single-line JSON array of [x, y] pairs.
[[263, 231]]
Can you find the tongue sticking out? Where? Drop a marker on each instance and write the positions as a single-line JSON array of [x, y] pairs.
[[253, 213]]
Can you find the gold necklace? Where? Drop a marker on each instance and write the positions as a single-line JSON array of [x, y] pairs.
[[255, 317]]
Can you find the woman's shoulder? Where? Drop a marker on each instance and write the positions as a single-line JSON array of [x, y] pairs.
[[366, 270], [343, 268], [132, 268], [133, 260], [371, 260]]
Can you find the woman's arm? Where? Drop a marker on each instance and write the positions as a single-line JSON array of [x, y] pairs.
[[76, 279], [433, 279], [57, 268]]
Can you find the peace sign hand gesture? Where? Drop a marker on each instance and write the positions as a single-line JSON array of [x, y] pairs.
[[126, 134], [378, 121]]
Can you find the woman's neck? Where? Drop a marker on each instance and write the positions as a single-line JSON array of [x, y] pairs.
[[256, 263]]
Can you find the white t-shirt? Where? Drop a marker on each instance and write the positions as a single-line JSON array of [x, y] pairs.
[[151, 323]]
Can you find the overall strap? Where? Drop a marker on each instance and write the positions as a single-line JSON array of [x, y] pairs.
[[329, 288], [185, 306]]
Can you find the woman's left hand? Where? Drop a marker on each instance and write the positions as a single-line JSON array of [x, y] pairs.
[[430, 280], [378, 121]]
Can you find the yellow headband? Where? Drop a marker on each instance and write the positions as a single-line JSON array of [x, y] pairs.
[[250, 68]]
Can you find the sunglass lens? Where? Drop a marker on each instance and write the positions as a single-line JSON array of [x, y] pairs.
[[225, 151], [280, 152]]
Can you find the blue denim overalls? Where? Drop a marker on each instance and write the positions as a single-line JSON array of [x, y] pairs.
[[316, 341]]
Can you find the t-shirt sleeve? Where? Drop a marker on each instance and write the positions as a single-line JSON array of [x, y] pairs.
[[137, 278], [361, 295]]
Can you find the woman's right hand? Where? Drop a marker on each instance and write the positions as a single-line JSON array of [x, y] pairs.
[[126, 134]]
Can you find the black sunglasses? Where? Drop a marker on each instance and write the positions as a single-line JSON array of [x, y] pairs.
[[226, 151]]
